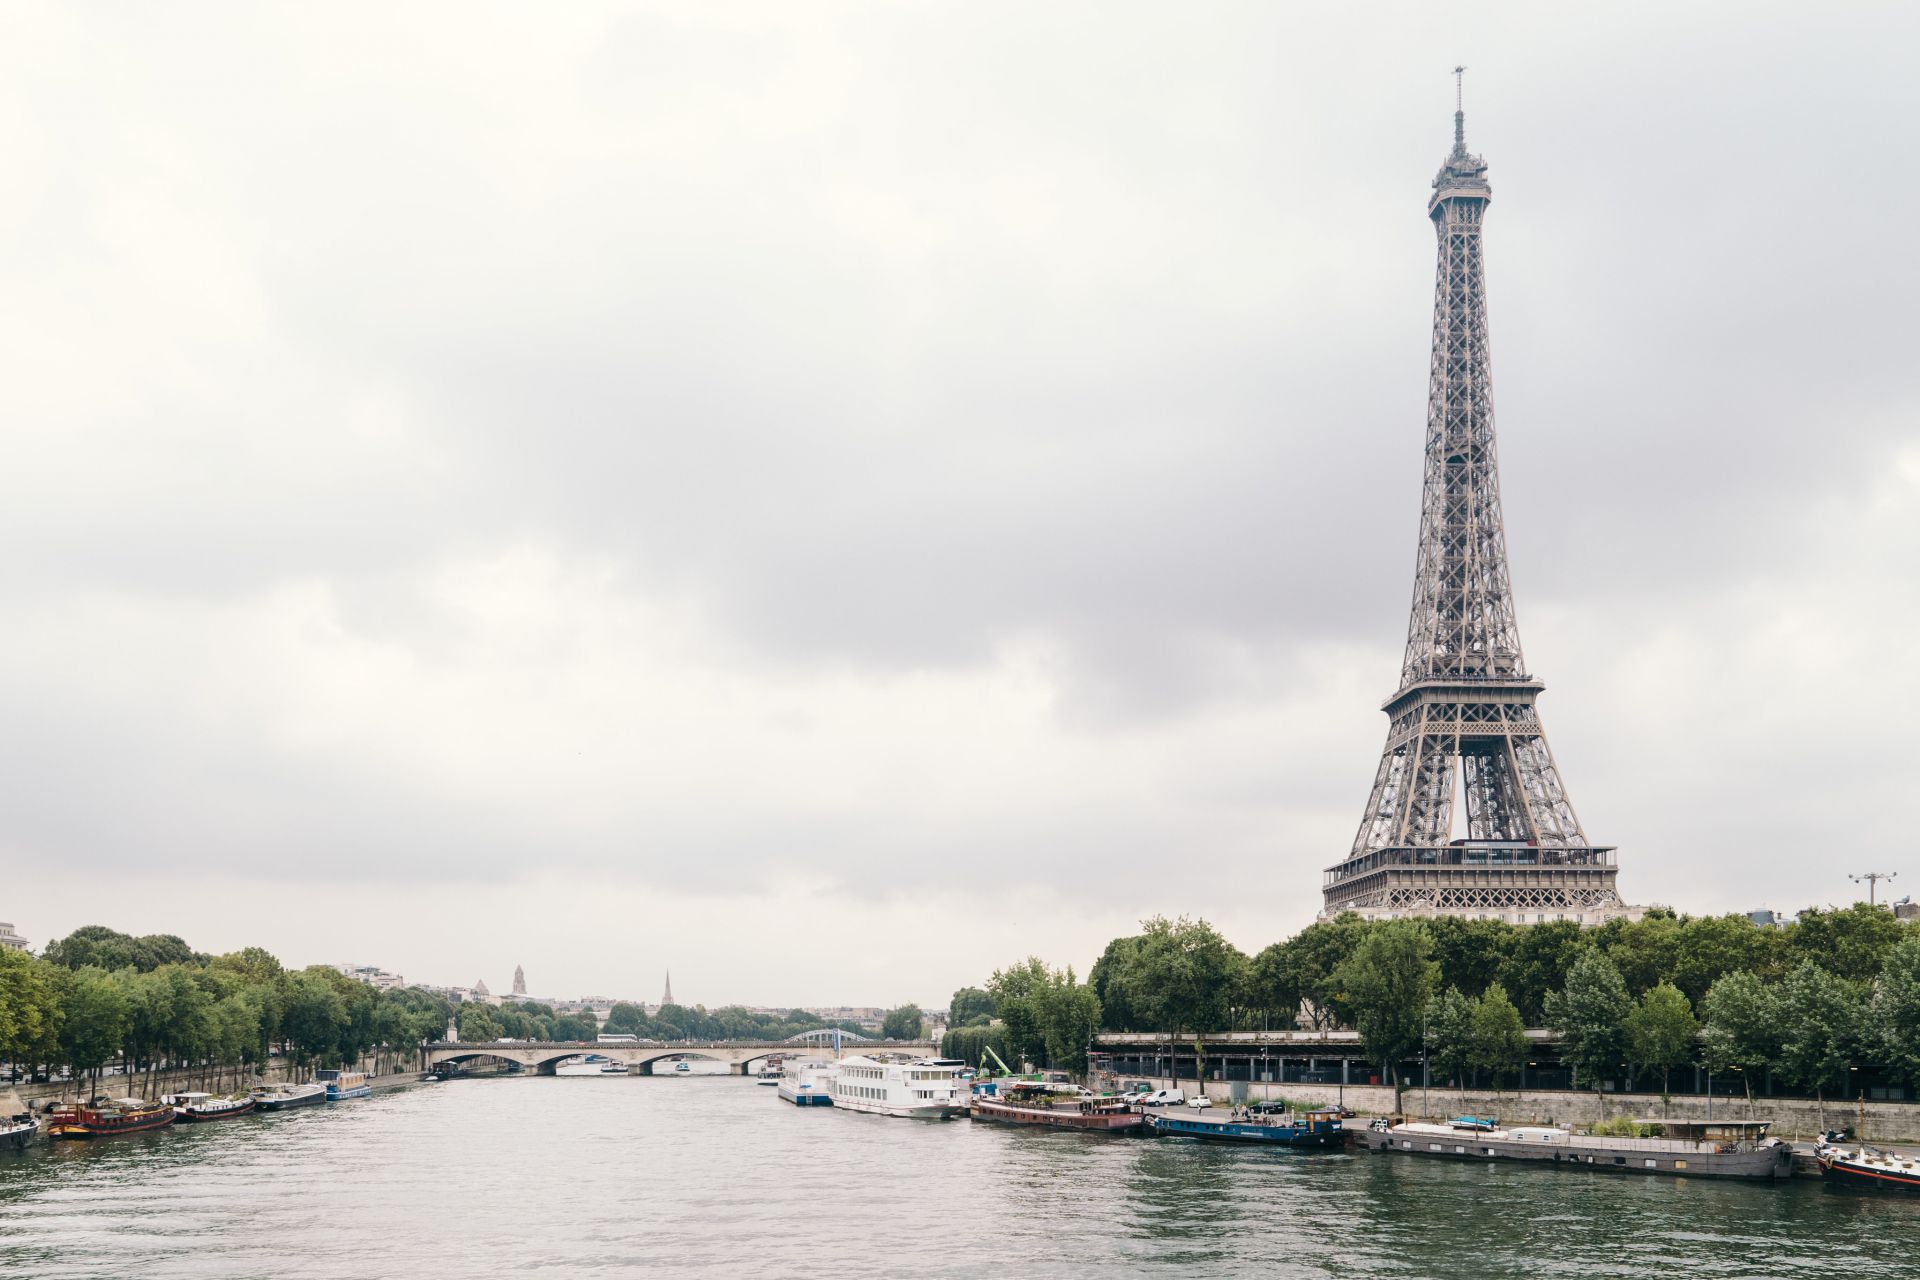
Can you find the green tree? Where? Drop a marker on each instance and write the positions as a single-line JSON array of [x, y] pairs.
[[1821, 1019], [627, 1019], [1743, 1025], [1470, 953], [1896, 1009], [93, 1020], [969, 1044], [1069, 1015], [1662, 1033], [1713, 946], [1500, 1044], [1590, 1015], [1387, 982], [312, 1019], [29, 1009], [1013, 990], [1180, 978], [1850, 943], [903, 1023], [578, 1027], [477, 1023], [1307, 966], [970, 1007], [1106, 979], [1449, 1034], [1645, 951], [1539, 961]]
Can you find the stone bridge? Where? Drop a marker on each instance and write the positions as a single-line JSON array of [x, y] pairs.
[[741, 1056]]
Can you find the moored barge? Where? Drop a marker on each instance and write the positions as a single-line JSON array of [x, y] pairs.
[[107, 1118], [1867, 1168], [195, 1108], [342, 1085], [17, 1125], [1319, 1128], [1686, 1148], [283, 1097], [1048, 1106]]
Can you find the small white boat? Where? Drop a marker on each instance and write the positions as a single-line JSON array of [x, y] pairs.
[[809, 1084]]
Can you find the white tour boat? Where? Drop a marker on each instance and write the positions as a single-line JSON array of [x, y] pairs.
[[808, 1084], [919, 1088]]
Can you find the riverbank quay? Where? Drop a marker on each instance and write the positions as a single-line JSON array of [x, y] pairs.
[[40, 1096], [1794, 1119]]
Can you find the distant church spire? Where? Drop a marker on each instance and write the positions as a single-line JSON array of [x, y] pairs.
[[668, 997], [519, 981]]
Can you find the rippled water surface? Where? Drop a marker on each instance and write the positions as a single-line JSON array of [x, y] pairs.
[[630, 1176]]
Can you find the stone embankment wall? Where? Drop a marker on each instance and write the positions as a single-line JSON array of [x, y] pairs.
[[39, 1096], [1799, 1118]]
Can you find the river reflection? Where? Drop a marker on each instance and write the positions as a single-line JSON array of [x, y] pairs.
[[630, 1176]]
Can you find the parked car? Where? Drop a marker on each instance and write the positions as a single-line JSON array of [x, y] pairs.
[[1201, 1101], [1160, 1098]]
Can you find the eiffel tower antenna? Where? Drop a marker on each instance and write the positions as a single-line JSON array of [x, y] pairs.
[[1459, 111], [1465, 707]]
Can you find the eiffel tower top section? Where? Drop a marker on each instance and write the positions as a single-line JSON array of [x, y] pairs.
[[1462, 624]]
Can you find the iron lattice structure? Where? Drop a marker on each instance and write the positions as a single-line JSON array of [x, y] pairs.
[[1466, 701]]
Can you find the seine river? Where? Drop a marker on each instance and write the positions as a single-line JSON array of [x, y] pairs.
[[716, 1176]]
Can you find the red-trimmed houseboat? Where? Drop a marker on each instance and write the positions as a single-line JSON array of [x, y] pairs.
[[1049, 1106], [1867, 1168], [119, 1115]]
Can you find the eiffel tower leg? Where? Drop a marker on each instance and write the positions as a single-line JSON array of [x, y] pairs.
[[1428, 819], [1547, 806]]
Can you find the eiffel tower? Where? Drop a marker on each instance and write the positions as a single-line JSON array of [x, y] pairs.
[[1466, 701]]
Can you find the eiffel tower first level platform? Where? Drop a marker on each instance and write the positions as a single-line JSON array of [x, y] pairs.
[[1524, 858], [1464, 733]]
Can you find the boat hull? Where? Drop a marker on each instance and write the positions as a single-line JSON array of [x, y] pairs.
[[16, 1137], [1763, 1164], [1273, 1135], [288, 1103], [1120, 1122], [931, 1111], [189, 1115], [108, 1128], [809, 1098], [1846, 1173], [343, 1095]]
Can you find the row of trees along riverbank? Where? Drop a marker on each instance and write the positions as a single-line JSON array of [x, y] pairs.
[[1629, 1000], [143, 1004]]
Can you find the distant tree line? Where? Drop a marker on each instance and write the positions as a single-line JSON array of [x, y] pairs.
[[672, 1022], [151, 1003], [1629, 1001], [145, 1004]]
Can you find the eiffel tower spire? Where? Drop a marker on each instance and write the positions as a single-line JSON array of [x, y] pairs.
[[1466, 700]]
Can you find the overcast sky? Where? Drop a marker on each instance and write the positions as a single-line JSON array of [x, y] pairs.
[[834, 498]]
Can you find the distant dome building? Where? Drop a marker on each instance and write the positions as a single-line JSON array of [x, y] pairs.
[[480, 991]]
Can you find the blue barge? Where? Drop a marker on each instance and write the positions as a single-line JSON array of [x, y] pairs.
[[1311, 1129]]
